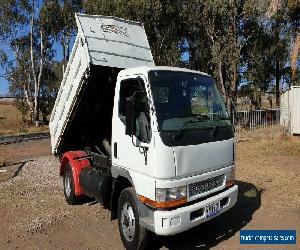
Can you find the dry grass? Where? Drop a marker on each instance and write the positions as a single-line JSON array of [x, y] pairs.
[[271, 161], [11, 122], [272, 132]]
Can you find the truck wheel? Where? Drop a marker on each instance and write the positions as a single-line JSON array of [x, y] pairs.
[[69, 188], [132, 234]]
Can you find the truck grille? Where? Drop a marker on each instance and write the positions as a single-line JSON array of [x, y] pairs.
[[206, 185]]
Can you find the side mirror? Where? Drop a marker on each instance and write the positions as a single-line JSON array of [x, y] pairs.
[[130, 116]]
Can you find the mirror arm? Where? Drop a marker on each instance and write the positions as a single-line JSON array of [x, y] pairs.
[[142, 149], [145, 152]]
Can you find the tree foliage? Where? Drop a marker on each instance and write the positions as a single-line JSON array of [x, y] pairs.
[[58, 19]]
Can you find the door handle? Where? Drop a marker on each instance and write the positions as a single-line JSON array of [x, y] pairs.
[[115, 150]]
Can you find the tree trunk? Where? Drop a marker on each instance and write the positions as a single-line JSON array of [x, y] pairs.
[[229, 104], [221, 78], [37, 79], [294, 58], [29, 101], [36, 112], [35, 109], [277, 81], [235, 55]]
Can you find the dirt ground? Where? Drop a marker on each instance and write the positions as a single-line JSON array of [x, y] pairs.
[[34, 214], [19, 152], [11, 122]]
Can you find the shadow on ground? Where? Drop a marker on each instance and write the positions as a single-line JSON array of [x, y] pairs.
[[12, 170], [213, 232], [19, 169]]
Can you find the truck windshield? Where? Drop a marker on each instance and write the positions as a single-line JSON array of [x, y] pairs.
[[187, 101]]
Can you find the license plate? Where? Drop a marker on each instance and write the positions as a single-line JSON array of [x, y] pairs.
[[212, 209]]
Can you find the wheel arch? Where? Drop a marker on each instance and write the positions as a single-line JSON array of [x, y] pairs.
[[122, 180], [77, 161]]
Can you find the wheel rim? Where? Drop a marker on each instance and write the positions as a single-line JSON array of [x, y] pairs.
[[68, 183], [128, 222]]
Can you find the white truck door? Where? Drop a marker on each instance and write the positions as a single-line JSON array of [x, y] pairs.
[[125, 150]]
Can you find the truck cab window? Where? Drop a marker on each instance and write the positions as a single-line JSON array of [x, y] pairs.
[[187, 101], [127, 89]]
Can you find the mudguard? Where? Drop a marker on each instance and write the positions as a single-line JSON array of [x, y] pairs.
[[77, 161]]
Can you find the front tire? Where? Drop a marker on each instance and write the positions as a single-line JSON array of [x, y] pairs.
[[69, 187], [132, 234]]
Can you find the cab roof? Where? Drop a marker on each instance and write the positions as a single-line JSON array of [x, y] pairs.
[[146, 69]]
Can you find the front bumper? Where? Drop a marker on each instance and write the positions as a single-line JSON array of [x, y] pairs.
[[180, 219]]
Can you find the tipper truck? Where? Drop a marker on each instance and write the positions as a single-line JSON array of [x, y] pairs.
[[155, 145]]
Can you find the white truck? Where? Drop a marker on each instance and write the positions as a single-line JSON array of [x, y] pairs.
[[155, 145]]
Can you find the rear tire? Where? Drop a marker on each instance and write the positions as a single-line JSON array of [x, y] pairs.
[[69, 187], [132, 234]]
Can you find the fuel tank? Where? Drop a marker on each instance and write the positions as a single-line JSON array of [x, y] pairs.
[[96, 184]]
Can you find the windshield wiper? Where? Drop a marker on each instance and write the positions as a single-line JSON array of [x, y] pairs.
[[191, 121], [223, 118], [200, 117], [179, 133], [197, 118]]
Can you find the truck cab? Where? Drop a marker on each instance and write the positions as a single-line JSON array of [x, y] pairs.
[[155, 145], [180, 156]]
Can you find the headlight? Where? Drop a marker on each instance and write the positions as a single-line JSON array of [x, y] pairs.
[[167, 197], [170, 194], [230, 177]]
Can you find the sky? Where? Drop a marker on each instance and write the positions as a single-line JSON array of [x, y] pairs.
[[3, 81], [3, 86]]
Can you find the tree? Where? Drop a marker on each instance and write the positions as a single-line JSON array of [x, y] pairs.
[[279, 27], [17, 89], [294, 18], [36, 74], [58, 19], [31, 50], [12, 16], [290, 11], [19, 74], [51, 79], [279, 56], [217, 24], [258, 67]]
